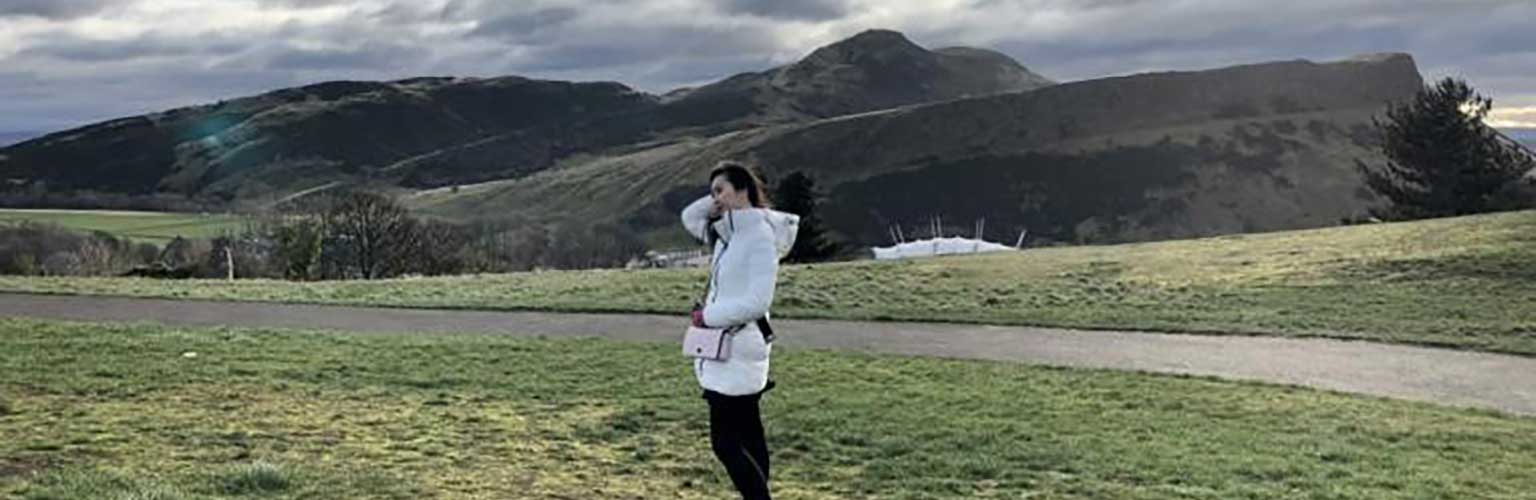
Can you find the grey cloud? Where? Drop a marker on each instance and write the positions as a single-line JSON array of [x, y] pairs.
[[1515, 38], [52, 9], [652, 45], [302, 4], [392, 13], [573, 57], [17, 87], [65, 46], [406, 14], [799, 10], [52, 104], [1080, 4], [456, 9], [565, 40], [368, 56], [525, 26]]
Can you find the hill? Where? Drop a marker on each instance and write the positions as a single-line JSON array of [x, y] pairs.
[[425, 132], [1154, 156], [894, 132]]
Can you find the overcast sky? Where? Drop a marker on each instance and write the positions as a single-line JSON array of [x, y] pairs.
[[70, 62]]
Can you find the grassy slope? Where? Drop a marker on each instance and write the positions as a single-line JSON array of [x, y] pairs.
[[154, 227], [101, 411], [1463, 282]]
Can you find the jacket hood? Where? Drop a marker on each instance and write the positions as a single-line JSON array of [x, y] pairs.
[[783, 226]]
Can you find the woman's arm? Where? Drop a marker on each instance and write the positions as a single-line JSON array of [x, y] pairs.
[[762, 274], [696, 217]]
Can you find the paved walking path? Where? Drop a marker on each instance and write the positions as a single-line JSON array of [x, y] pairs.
[[1460, 378]]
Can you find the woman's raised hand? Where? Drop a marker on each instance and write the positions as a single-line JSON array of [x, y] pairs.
[[715, 209]]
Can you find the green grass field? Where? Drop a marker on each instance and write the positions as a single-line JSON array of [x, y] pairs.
[[1465, 282], [151, 227], [125, 411]]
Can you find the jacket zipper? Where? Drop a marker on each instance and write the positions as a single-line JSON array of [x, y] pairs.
[[714, 273]]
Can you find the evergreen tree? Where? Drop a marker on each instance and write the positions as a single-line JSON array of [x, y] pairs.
[[797, 194], [1442, 160]]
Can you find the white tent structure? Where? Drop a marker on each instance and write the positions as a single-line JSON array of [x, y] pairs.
[[938, 246]]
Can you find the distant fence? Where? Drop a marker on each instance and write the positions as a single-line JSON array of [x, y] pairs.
[[696, 257]]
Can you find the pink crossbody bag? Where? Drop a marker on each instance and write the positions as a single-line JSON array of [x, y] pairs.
[[708, 343]]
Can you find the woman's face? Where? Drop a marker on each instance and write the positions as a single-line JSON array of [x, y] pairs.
[[726, 195]]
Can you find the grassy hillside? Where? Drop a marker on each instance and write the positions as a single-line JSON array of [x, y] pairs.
[[1465, 282], [154, 227], [1144, 157], [113, 411], [1161, 182]]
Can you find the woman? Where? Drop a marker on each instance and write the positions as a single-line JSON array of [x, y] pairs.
[[748, 240]]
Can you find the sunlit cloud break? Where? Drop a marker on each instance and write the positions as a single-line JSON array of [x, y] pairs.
[[1513, 117]]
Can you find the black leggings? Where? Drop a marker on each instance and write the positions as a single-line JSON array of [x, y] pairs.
[[736, 434]]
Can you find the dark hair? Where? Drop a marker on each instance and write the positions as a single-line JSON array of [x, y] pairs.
[[743, 178]]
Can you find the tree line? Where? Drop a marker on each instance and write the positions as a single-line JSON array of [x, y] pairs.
[[341, 236], [354, 235]]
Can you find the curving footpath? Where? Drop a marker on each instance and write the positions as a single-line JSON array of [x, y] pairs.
[[1459, 378]]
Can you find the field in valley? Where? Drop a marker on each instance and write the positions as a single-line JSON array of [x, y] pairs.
[[151, 227]]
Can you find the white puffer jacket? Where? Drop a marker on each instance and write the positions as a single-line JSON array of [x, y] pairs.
[[744, 271]]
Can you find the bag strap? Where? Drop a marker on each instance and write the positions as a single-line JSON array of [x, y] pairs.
[[766, 329]]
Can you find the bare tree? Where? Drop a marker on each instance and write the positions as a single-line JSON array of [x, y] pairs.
[[436, 248], [574, 245], [94, 257], [369, 236]]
